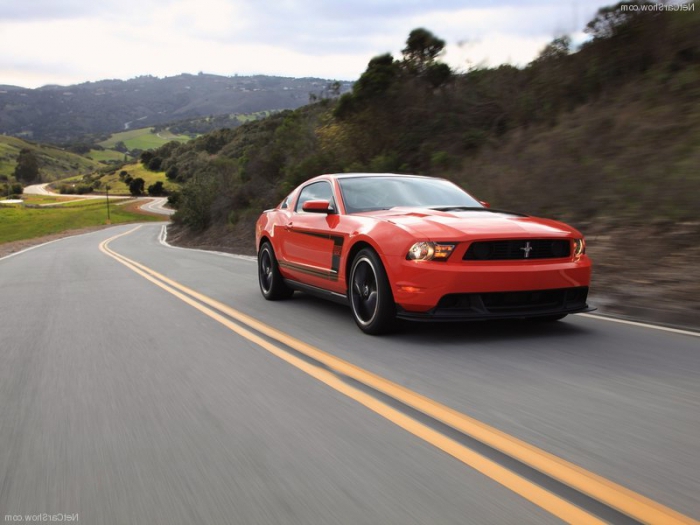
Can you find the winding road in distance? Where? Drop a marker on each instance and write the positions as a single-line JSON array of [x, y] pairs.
[[150, 204], [142, 383]]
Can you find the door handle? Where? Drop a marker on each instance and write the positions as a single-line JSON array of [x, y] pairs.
[[288, 226]]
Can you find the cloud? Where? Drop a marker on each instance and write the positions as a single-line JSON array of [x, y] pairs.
[[73, 41]]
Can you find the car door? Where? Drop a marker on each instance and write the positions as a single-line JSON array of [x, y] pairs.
[[312, 241]]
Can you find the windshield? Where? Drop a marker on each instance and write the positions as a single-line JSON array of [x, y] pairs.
[[382, 193]]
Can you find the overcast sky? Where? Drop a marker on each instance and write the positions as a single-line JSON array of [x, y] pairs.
[[73, 41]]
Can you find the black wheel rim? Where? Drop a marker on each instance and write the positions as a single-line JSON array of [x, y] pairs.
[[265, 271], [365, 296]]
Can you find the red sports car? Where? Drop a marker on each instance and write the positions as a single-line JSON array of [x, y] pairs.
[[414, 247]]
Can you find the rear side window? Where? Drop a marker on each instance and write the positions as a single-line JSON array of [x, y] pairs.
[[285, 203]]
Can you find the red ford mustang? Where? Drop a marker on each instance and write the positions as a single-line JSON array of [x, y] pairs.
[[412, 247]]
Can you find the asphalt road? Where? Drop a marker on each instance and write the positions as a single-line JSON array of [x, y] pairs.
[[37, 189], [157, 205], [126, 399], [150, 204]]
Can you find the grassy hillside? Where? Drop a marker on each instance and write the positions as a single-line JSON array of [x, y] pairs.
[[115, 177], [118, 187], [54, 163], [606, 137], [143, 138], [18, 222], [106, 155], [632, 154]]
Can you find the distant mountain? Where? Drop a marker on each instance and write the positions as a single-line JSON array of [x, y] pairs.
[[61, 114]]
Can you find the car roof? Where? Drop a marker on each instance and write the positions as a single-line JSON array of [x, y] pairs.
[[369, 175]]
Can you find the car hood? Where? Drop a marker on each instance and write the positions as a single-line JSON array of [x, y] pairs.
[[466, 224]]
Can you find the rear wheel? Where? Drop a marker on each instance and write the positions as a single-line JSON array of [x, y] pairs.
[[370, 295], [272, 283]]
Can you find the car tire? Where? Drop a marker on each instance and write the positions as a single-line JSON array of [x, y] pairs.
[[271, 282], [370, 295]]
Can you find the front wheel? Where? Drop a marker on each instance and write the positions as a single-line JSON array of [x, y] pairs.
[[272, 283], [370, 295]]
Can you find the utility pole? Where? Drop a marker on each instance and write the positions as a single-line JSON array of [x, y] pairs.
[[109, 219]]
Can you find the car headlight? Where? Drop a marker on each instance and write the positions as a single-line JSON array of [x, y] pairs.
[[579, 247], [429, 251]]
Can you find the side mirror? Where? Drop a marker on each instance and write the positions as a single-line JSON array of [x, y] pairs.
[[317, 206], [485, 204]]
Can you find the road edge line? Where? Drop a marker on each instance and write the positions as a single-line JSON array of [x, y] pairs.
[[163, 239], [640, 324]]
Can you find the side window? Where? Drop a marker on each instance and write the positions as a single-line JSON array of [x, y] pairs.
[[317, 191], [285, 202]]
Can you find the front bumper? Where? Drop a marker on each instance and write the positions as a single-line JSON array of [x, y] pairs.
[[505, 305], [490, 290]]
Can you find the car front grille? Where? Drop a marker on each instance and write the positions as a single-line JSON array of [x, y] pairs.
[[514, 303], [518, 249]]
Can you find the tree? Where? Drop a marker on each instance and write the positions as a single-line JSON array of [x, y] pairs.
[[172, 173], [10, 188], [609, 20], [557, 48], [146, 157], [422, 48], [154, 164], [156, 189], [136, 186], [27, 168], [79, 148], [378, 78], [437, 74]]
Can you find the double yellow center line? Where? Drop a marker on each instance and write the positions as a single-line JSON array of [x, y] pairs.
[[605, 491]]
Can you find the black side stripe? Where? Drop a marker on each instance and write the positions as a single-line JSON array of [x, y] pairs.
[[338, 241]]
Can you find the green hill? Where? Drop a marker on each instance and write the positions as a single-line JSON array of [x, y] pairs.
[[54, 163], [142, 138]]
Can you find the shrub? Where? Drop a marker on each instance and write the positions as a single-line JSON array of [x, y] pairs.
[[154, 164], [171, 173], [174, 199], [74, 189], [136, 186], [156, 189]]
